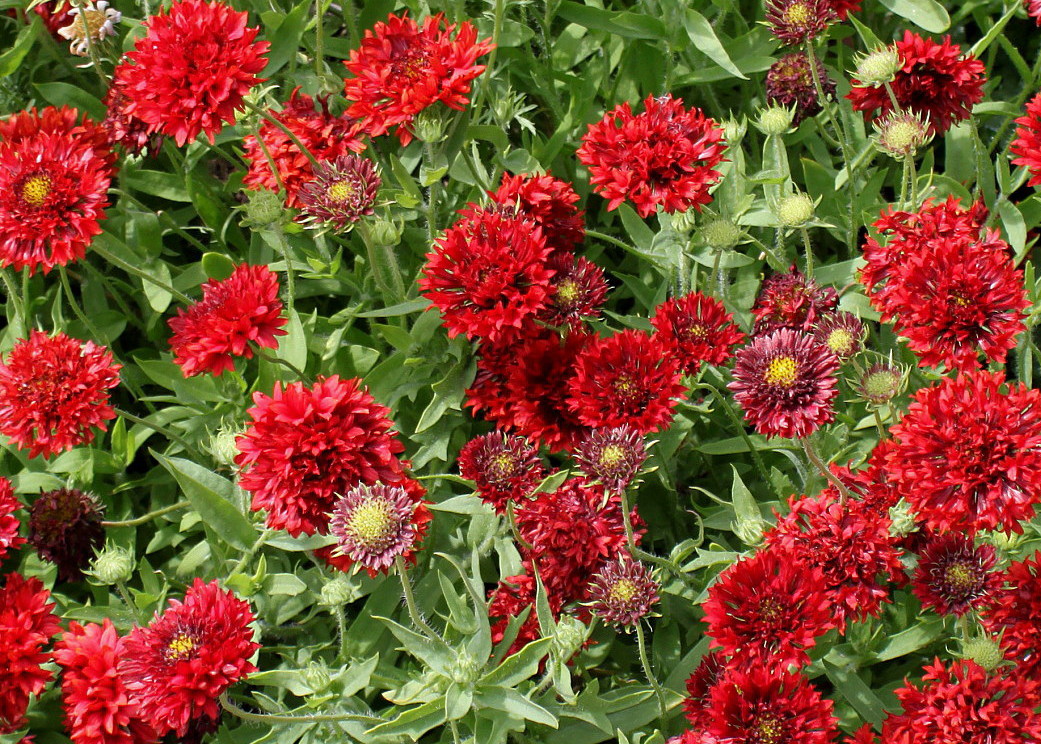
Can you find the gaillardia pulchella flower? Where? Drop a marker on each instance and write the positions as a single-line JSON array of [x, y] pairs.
[[90, 24], [797, 21], [27, 622], [954, 575], [548, 202], [9, 524], [612, 456], [340, 193], [65, 528], [1027, 144], [1014, 614], [374, 525], [843, 333], [502, 466], [577, 291], [789, 83], [623, 592], [696, 329], [790, 299]]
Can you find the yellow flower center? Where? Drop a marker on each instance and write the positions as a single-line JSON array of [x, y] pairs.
[[342, 191], [567, 291], [840, 341], [36, 189], [180, 647], [960, 577], [622, 591], [769, 609], [781, 371], [798, 14], [612, 455], [770, 729], [371, 523], [959, 301]]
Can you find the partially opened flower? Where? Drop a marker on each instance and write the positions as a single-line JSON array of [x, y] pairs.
[[954, 575], [1027, 144], [793, 300], [842, 333], [577, 291], [65, 528], [340, 193], [374, 525], [709, 672], [27, 623], [623, 592], [503, 467], [612, 456]]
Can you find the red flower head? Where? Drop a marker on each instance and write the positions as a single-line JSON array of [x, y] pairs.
[[504, 468], [696, 328], [789, 83], [513, 596], [65, 528], [177, 667], [54, 392], [935, 80], [26, 625], [1015, 614], [623, 592], [488, 276], [1034, 10], [842, 333], [327, 137], [304, 445], [798, 21], [964, 702], [374, 525], [1027, 144], [577, 291], [341, 192], [954, 575], [664, 157], [612, 456], [192, 69], [125, 129], [849, 543], [792, 300], [768, 610], [54, 179], [9, 538], [628, 378], [968, 456], [401, 69], [701, 682], [97, 706], [232, 313], [785, 382], [763, 706], [546, 201]]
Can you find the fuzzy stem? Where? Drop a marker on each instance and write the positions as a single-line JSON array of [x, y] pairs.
[[148, 517], [410, 601], [809, 251], [341, 626], [641, 642], [384, 264], [811, 455], [275, 719]]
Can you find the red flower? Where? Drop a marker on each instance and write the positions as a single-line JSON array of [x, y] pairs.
[[327, 137], [54, 179], [935, 80], [792, 300], [123, 128], [546, 201], [963, 703], [1027, 144], [374, 525], [26, 625], [1034, 10], [954, 575], [968, 456], [789, 83], [1015, 615], [710, 671], [577, 291], [65, 528], [176, 668], [623, 592], [504, 468], [9, 539], [97, 706], [401, 69], [664, 156], [798, 21], [786, 383], [341, 192], [612, 456], [628, 378], [849, 543], [696, 328], [303, 446], [192, 69], [768, 610], [488, 276], [842, 333], [513, 596], [232, 313], [762, 706], [54, 392]]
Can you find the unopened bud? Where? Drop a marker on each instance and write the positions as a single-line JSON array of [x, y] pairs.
[[775, 120], [878, 66], [795, 210], [113, 565]]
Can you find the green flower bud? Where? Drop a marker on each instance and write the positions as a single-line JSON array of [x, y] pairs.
[[385, 232], [878, 66], [222, 445], [465, 670], [775, 120], [113, 565], [429, 125], [795, 210], [317, 677], [339, 591], [734, 131], [900, 135], [721, 234], [264, 208], [571, 633], [984, 652], [902, 519]]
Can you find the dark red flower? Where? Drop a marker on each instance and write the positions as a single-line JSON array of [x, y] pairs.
[[374, 525], [623, 592], [963, 702], [191, 70], [792, 300], [54, 179], [503, 468], [97, 706], [768, 610], [968, 455], [628, 378], [232, 313], [764, 706], [54, 392], [1034, 10], [935, 80], [177, 666], [665, 156], [9, 524], [1015, 614], [341, 193], [789, 83], [954, 575], [577, 291], [327, 138], [304, 445], [65, 528], [696, 329], [548, 202], [125, 129], [1027, 144], [513, 596], [798, 21], [842, 333], [612, 456], [700, 683], [402, 68], [785, 382], [850, 544], [488, 276], [26, 625]]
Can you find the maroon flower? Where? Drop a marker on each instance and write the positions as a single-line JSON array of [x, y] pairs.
[[1027, 144], [26, 626], [374, 525], [711, 669], [341, 193], [789, 83], [623, 592], [954, 575], [792, 300], [577, 291], [504, 468], [798, 21], [842, 333], [65, 528], [696, 329], [612, 456]]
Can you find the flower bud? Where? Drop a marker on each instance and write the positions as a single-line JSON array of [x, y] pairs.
[[984, 652], [795, 210], [429, 125], [721, 234], [264, 208], [878, 66], [339, 591], [902, 519], [113, 565], [901, 135], [571, 633], [775, 120]]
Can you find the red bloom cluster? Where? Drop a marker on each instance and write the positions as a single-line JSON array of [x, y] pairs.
[[548, 202], [968, 455], [400, 69], [934, 80], [327, 137], [696, 329], [54, 179], [792, 300], [1015, 614], [954, 575], [504, 468], [1027, 144], [304, 445], [26, 626], [664, 156], [177, 667], [191, 70], [232, 313], [54, 392], [9, 524]]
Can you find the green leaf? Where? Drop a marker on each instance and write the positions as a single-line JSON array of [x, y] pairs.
[[157, 183], [704, 38], [12, 58], [63, 94], [910, 640], [213, 498], [512, 702], [856, 692], [293, 346], [438, 656], [926, 14], [217, 265], [520, 666], [393, 311], [413, 722], [625, 24], [285, 35], [458, 701]]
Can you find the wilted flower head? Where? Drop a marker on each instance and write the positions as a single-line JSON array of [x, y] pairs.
[[792, 300], [65, 528], [901, 134], [623, 593], [374, 525], [341, 193], [612, 456], [502, 466], [90, 24]]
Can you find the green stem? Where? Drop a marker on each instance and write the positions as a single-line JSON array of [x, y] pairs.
[[878, 423], [134, 271], [892, 99], [643, 555], [264, 114], [809, 251], [811, 455], [641, 643], [121, 589], [341, 626], [160, 429], [410, 602], [384, 263], [248, 555], [15, 298], [499, 14], [148, 517], [76, 309], [92, 51], [610, 239], [717, 275], [284, 248], [432, 195], [171, 222], [319, 40], [300, 374], [904, 180], [275, 719]]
